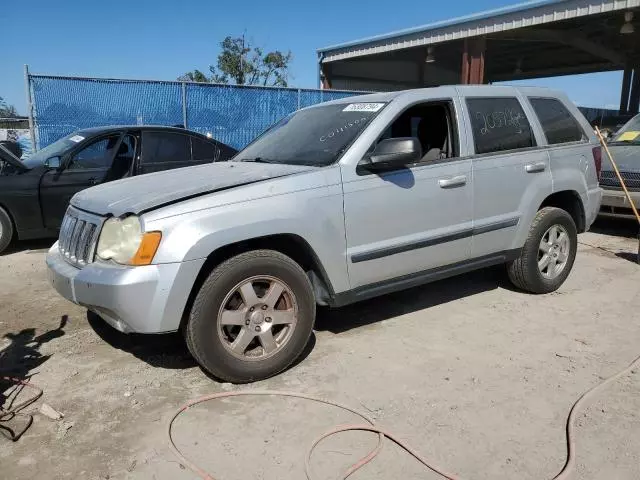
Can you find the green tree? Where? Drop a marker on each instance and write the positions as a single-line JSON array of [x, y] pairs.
[[7, 111], [241, 63], [195, 76]]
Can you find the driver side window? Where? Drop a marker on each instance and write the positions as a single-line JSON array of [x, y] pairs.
[[98, 154], [431, 124]]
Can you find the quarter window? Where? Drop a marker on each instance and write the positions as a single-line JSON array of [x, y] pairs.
[[203, 151], [499, 124], [558, 124]]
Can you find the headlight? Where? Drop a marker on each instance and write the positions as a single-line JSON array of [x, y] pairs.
[[122, 241]]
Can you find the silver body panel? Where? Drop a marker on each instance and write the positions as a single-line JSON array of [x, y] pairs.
[[363, 228]]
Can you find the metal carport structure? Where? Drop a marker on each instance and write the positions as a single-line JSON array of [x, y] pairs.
[[532, 40]]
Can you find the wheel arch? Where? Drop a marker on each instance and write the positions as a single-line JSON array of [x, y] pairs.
[[569, 201], [292, 245]]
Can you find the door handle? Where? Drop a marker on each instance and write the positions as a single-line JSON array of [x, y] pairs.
[[535, 167], [92, 181], [458, 181]]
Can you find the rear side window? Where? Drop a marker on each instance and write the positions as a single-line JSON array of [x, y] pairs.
[[202, 151], [558, 124], [162, 147], [499, 124]]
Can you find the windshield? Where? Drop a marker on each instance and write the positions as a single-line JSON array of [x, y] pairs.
[[56, 149], [316, 136], [630, 133]]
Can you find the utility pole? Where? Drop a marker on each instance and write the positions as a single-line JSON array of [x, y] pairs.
[[242, 59]]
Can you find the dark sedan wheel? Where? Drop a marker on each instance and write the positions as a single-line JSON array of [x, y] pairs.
[[252, 317], [6, 230]]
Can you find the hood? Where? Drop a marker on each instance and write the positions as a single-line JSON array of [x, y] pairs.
[[10, 158], [147, 192], [627, 158]]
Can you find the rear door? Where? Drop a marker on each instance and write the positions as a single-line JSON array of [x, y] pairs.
[[84, 167], [506, 163], [569, 147], [164, 150]]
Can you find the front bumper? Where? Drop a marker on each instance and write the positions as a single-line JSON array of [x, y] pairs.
[[616, 204], [149, 299]]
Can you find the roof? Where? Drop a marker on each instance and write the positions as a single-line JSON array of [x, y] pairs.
[[483, 23], [110, 128], [435, 91]]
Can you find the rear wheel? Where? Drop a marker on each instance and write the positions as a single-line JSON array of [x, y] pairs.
[[252, 317], [6, 230], [548, 254]]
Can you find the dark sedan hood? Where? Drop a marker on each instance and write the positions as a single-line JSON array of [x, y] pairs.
[[154, 190], [627, 158]]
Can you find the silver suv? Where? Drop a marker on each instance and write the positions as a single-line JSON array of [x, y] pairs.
[[334, 204]]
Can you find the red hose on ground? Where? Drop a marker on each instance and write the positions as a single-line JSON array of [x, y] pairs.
[[14, 410], [564, 474]]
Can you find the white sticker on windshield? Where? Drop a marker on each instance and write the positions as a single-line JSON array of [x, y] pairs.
[[77, 138], [363, 107]]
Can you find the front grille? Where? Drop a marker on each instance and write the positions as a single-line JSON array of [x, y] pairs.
[[608, 178], [78, 237]]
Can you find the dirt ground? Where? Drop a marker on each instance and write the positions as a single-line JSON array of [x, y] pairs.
[[475, 375]]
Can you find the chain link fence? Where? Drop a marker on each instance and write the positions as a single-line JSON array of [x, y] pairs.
[[231, 114]]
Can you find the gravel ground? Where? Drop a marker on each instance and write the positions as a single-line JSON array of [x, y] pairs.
[[475, 375]]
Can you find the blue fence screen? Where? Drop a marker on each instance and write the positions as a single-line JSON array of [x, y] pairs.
[[231, 114]]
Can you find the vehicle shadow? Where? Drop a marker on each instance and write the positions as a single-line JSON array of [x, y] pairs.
[[17, 361], [163, 350], [632, 257], [382, 308], [166, 350], [40, 245], [617, 227]]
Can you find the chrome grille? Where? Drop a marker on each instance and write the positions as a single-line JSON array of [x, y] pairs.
[[78, 237], [608, 178]]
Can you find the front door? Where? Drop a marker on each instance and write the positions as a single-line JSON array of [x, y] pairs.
[[82, 169], [416, 218]]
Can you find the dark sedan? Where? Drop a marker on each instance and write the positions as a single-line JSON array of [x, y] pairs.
[[34, 193]]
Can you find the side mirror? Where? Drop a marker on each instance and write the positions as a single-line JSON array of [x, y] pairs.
[[53, 163], [394, 153]]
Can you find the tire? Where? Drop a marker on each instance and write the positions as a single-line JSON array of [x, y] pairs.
[[219, 346], [525, 272], [6, 230]]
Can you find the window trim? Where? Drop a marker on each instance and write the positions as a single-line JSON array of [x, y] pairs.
[[452, 124], [87, 143], [585, 137], [142, 149], [534, 145]]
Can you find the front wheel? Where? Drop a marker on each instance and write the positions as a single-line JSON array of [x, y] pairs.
[[548, 254], [6, 230], [252, 317]]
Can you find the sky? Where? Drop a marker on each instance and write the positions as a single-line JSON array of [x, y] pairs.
[[162, 39]]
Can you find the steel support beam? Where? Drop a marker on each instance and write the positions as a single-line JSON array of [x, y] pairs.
[[634, 99], [626, 87]]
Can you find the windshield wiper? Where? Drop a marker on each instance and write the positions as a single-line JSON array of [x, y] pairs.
[[257, 160]]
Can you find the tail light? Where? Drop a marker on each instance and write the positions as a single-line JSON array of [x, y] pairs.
[[597, 160]]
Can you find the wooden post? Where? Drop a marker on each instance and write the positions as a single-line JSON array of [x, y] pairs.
[[473, 60]]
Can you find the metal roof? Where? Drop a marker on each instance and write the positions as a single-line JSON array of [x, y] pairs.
[[488, 22]]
